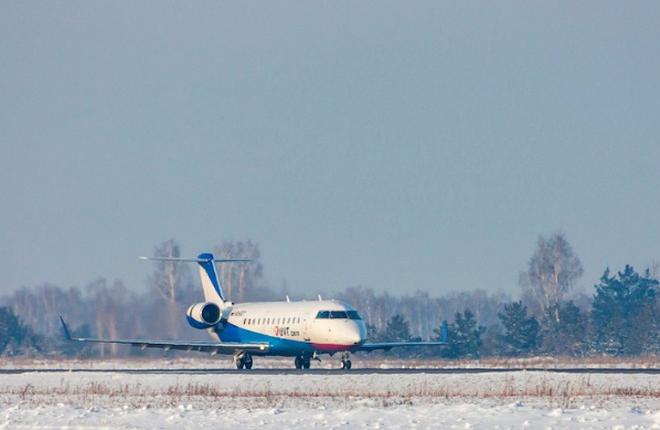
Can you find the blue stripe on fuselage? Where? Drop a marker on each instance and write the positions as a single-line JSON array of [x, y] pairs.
[[278, 345]]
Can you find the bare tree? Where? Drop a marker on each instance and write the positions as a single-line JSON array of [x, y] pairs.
[[552, 271], [654, 269], [239, 280], [171, 280], [109, 303]]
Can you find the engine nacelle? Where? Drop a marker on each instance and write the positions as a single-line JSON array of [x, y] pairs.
[[204, 315]]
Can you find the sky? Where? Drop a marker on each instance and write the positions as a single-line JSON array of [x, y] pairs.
[[394, 145]]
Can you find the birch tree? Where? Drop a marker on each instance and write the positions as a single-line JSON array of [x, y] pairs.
[[239, 280], [552, 272], [171, 280]]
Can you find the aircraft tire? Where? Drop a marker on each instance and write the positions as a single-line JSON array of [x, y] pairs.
[[298, 363], [247, 361], [306, 363]]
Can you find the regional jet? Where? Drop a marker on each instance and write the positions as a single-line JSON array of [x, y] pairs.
[[300, 329]]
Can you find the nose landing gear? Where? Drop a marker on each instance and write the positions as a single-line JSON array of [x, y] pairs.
[[346, 360]]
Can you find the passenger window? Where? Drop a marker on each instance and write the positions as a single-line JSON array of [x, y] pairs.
[[323, 315], [353, 315]]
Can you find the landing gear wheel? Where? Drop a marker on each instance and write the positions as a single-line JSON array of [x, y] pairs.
[[243, 361], [345, 361], [248, 361], [299, 363], [306, 363]]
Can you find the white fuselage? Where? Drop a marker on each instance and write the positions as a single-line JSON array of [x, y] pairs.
[[293, 328]]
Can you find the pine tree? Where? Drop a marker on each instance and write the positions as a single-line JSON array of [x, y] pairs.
[[397, 329], [521, 332], [566, 335], [15, 337], [463, 336], [625, 313], [10, 328]]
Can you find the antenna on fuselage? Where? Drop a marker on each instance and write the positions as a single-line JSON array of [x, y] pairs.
[[288, 300], [320, 298]]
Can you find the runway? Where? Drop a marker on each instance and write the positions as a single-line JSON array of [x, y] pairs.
[[354, 371]]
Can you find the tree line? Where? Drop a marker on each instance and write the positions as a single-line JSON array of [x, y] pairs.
[[620, 317]]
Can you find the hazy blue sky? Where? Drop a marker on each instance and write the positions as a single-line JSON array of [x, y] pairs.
[[394, 145]]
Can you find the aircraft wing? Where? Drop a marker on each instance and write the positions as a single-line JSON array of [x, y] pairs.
[[212, 347], [386, 346]]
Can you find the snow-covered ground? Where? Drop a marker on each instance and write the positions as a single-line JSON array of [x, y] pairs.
[[487, 400], [461, 416]]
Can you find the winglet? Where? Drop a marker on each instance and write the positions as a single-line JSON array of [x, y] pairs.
[[443, 331], [67, 334]]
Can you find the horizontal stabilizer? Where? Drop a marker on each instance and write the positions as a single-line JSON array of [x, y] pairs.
[[197, 260]]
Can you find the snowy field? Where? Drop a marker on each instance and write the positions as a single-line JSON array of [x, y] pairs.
[[497, 400]]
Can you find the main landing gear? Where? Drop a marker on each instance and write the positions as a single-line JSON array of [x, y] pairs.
[[243, 361], [346, 360], [302, 362]]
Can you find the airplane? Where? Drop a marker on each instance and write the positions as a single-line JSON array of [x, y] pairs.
[[301, 329]]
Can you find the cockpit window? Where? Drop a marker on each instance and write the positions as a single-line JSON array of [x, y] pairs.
[[323, 314], [338, 314]]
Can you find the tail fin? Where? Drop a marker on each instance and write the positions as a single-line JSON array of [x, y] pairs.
[[207, 273], [210, 282]]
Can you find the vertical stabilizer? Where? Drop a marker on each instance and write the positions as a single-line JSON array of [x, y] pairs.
[[209, 277]]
